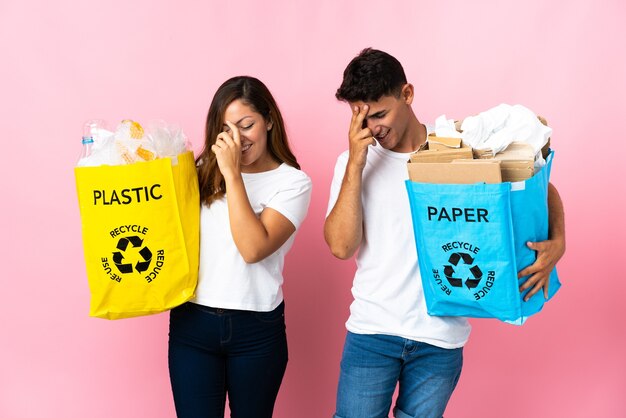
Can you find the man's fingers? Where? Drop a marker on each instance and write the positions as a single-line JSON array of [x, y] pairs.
[[527, 271], [357, 121], [537, 246], [536, 282], [532, 292], [539, 271], [529, 283], [363, 134], [539, 277], [536, 288], [355, 112]]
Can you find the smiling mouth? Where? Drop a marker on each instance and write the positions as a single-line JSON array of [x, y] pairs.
[[245, 148], [381, 137]]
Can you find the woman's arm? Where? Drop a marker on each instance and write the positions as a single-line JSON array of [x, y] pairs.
[[255, 237]]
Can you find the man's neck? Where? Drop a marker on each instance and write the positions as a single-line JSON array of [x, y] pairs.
[[415, 136]]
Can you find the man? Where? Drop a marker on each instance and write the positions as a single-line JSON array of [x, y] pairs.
[[391, 339]]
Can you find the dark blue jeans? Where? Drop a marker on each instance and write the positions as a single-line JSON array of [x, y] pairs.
[[217, 351]]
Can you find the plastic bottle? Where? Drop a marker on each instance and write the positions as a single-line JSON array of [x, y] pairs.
[[90, 131]]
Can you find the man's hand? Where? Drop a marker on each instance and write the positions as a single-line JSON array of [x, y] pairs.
[[360, 138], [548, 253]]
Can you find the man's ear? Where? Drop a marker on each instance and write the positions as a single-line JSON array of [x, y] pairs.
[[407, 93]]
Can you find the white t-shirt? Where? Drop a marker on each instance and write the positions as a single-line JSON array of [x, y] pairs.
[[225, 280], [387, 288]]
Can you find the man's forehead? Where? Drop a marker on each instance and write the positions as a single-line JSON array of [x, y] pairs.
[[374, 106]]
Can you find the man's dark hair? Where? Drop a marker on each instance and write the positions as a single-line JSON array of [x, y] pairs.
[[371, 75]]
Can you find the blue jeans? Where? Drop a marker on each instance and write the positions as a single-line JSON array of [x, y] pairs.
[[372, 365], [217, 351]]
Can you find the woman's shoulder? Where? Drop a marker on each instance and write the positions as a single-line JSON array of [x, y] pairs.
[[293, 172]]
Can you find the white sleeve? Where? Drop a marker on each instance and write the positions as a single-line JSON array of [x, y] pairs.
[[335, 185], [292, 201]]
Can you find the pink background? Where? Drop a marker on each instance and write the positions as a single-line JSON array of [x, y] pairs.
[[66, 61]]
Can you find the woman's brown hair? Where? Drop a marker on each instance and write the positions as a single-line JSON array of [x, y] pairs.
[[255, 94]]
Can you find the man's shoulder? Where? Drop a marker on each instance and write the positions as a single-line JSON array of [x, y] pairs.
[[342, 159]]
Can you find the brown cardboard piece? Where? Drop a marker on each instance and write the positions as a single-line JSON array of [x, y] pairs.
[[450, 161], [441, 150], [518, 162], [443, 156], [482, 153], [464, 171], [437, 161], [438, 143]]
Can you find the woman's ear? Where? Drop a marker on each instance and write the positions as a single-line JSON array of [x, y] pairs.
[[269, 125]]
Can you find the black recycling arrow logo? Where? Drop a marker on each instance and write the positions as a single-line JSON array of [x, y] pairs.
[[449, 272], [146, 254], [477, 274], [127, 267]]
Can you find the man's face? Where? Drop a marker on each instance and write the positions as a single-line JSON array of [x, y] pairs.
[[388, 118]]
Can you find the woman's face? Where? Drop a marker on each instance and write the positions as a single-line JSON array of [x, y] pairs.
[[253, 129]]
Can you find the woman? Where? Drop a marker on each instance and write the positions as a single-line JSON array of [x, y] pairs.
[[231, 337]]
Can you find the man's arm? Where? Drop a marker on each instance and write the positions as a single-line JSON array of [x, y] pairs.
[[343, 229], [549, 252]]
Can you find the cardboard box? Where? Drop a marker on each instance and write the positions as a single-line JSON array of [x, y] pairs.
[[516, 162], [450, 161], [458, 171]]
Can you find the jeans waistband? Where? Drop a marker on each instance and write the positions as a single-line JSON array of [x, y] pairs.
[[211, 309], [221, 311]]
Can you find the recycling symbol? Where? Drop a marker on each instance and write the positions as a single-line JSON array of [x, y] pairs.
[[123, 265], [449, 271]]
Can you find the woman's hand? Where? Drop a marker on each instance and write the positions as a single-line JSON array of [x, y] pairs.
[[227, 150]]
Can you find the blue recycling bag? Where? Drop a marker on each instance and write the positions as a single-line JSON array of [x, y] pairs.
[[471, 243]]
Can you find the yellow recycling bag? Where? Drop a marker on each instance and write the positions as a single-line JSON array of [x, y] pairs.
[[140, 225]]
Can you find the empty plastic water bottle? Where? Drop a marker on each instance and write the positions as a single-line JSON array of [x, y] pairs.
[[90, 130]]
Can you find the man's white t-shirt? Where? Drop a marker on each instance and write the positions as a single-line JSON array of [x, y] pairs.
[[225, 280], [387, 288]]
